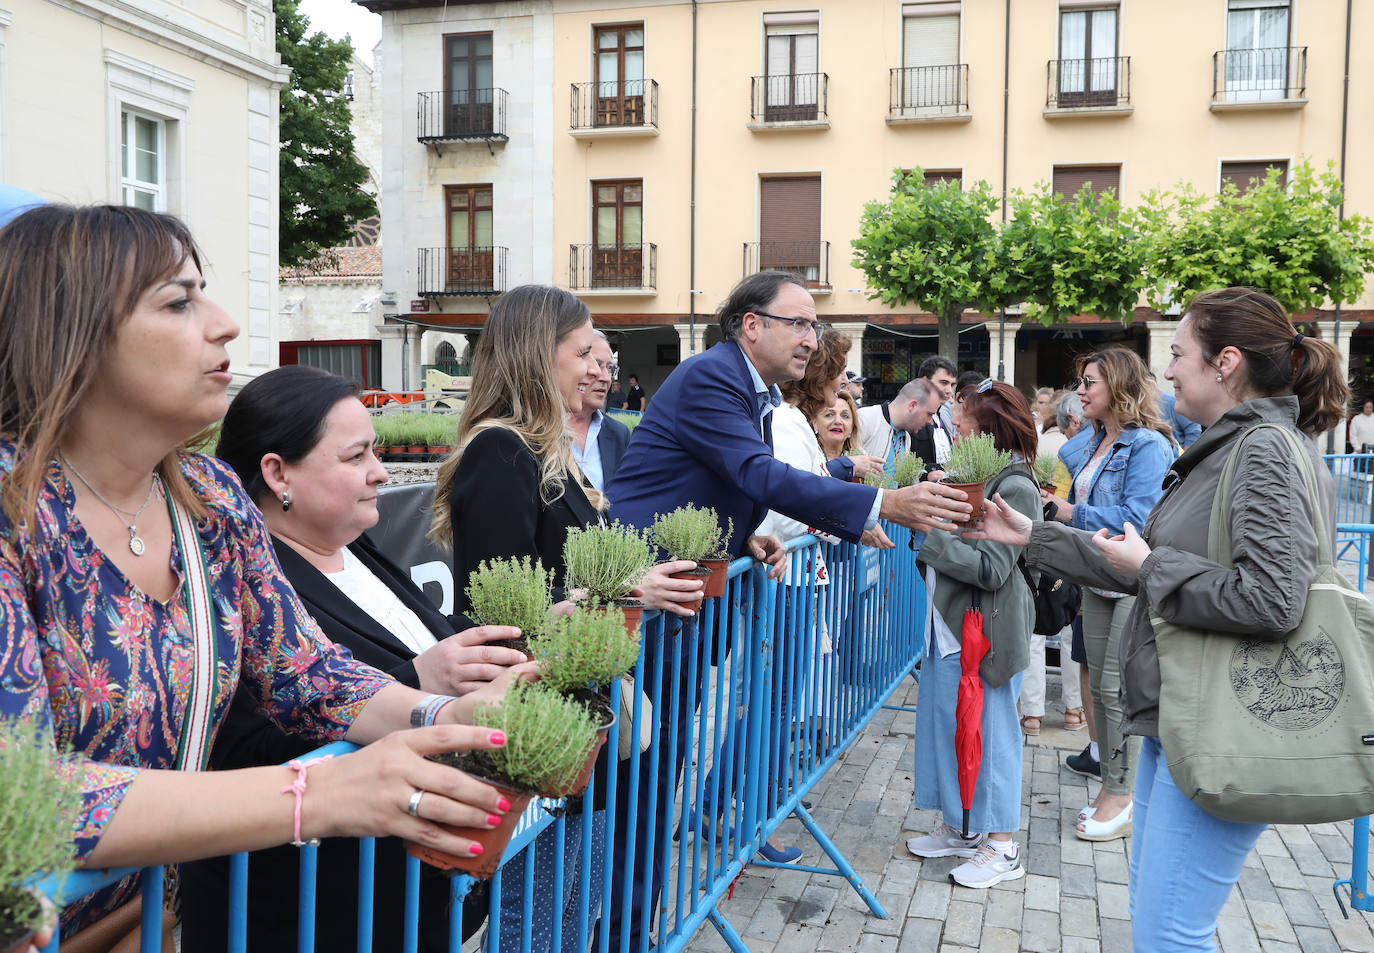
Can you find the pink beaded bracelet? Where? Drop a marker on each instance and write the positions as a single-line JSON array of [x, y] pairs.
[[297, 787]]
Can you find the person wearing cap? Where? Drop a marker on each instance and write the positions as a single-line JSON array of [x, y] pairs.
[[855, 386]]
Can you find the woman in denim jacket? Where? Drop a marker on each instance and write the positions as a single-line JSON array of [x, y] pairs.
[[1119, 481]]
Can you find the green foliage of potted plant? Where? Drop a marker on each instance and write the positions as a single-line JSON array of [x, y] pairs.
[[973, 461], [907, 469], [693, 532], [1048, 470], [512, 591], [583, 651], [550, 740], [39, 801], [629, 420], [606, 562], [881, 479]]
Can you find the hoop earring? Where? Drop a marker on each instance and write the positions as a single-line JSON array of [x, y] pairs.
[[286, 497]]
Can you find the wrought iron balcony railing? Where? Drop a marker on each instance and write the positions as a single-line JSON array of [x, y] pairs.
[[620, 104], [788, 97], [916, 92], [1071, 84], [609, 267], [474, 270], [1256, 75], [459, 114], [810, 260]]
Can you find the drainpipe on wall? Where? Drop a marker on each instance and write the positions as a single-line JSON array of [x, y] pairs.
[[1340, 212], [1006, 98], [692, 210]]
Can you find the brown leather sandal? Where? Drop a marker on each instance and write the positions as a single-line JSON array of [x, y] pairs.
[[1030, 724], [1074, 719]]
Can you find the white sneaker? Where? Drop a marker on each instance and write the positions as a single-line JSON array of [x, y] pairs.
[[945, 841], [990, 865]]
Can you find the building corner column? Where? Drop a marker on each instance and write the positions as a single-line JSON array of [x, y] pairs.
[[685, 339], [854, 330]]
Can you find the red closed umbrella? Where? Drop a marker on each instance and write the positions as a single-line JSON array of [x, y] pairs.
[[968, 708]]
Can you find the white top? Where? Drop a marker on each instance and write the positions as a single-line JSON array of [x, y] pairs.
[[1081, 484], [375, 598], [943, 642], [1051, 443], [794, 443], [875, 433], [1361, 430]]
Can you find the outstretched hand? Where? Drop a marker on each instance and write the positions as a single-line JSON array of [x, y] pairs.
[[769, 550], [1001, 524], [1126, 553]]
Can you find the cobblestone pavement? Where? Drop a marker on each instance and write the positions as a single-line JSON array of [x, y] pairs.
[[1072, 900]]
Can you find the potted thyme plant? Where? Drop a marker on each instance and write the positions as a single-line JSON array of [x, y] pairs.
[[973, 461], [550, 740], [512, 591], [693, 532], [881, 479], [907, 469], [39, 801], [1047, 471], [606, 563]]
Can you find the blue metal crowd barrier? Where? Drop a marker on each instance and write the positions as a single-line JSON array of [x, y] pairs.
[[800, 668]]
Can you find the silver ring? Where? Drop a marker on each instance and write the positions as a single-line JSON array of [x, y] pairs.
[[413, 805]]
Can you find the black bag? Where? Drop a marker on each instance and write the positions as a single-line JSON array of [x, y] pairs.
[[1057, 601]]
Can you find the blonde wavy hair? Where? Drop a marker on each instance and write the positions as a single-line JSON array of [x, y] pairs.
[[514, 387], [1134, 403]]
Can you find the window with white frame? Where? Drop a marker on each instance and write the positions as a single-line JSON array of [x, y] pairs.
[[1257, 53], [143, 161]]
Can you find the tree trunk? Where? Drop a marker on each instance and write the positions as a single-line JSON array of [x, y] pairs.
[[949, 334]]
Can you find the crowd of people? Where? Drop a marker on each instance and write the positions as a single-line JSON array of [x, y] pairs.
[[166, 611]]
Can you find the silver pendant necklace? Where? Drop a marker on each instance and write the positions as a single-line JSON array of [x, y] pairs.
[[136, 545]]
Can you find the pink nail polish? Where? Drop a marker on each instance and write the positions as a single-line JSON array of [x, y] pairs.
[[498, 737], [493, 820], [475, 849], [503, 805]]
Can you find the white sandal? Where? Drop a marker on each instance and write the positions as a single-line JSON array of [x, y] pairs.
[[1119, 826]]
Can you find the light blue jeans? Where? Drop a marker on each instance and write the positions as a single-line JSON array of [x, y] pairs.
[[1184, 861]]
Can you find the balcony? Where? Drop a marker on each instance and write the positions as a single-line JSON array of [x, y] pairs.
[[785, 101], [1268, 78], [628, 270], [1096, 87], [810, 260], [928, 94], [624, 108], [457, 272], [461, 115]]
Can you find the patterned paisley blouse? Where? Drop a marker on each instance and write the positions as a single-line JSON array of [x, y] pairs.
[[107, 668]]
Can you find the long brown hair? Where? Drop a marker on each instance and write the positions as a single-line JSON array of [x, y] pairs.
[[514, 386], [828, 363], [1277, 362], [1002, 411], [69, 277], [1133, 394]]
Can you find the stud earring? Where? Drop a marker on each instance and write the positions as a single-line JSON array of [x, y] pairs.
[[286, 498], [1218, 378]]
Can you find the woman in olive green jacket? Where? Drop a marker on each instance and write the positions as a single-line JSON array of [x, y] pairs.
[[1237, 362]]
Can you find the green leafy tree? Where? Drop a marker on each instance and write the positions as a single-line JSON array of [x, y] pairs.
[[321, 198], [1079, 256], [1287, 241], [933, 244]]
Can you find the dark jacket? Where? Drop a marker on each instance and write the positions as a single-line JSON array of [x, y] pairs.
[[247, 739], [611, 441], [702, 443], [989, 570], [1274, 549]]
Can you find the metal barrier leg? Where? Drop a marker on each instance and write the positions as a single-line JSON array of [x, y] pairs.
[[843, 866], [238, 903], [727, 932], [150, 920], [1359, 871]]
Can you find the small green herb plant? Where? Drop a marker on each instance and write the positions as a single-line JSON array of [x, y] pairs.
[[606, 561], [692, 532], [1047, 470], [907, 468], [881, 479], [39, 801], [975, 459], [516, 592], [548, 737], [584, 650]]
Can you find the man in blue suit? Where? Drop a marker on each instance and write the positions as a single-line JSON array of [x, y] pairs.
[[599, 440], [707, 440]]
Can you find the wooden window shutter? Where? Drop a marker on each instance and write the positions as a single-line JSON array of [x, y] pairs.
[[790, 209], [1069, 179], [1245, 174]]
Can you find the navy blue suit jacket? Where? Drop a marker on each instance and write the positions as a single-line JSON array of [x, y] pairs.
[[700, 443], [611, 441]]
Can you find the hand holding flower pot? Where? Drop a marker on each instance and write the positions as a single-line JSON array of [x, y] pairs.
[[693, 533], [973, 461]]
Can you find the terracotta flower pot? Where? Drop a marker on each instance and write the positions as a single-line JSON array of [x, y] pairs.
[[701, 573], [14, 945], [416, 448], [720, 574], [585, 777], [975, 497], [493, 841]]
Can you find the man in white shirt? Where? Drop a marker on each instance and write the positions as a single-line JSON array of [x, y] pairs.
[[599, 441], [885, 430], [1362, 427], [933, 443]]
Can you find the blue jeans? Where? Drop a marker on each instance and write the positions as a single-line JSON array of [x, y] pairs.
[[1184, 861]]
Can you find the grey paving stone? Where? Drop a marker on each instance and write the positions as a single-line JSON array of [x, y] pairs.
[[1042, 893], [1310, 859], [1301, 907], [1111, 867], [1078, 917], [1237, 934], [930, 900], [1075, 851], [1000, 940], [894, 904], [798, 938], [1270, 844], [1116, 936], [1040, 932], [1113, 902], [1081, 944], [1271, 923], [814, 905], [1276, 946], [1316, 940], [1283, 872], [920, 935], [1076, 880], [1041, 859], [1044, 830], [839, 934], [768, 920], [964, 923], [1003, 909], [1255, 885], [876, 943]]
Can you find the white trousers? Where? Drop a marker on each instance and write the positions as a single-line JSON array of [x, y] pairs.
[[1033, 686]]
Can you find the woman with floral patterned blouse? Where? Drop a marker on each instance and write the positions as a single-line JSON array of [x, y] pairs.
[[111, 358]]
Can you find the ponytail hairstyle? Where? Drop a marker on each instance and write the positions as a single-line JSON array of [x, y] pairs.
[[1279, 360], [1134, 403]]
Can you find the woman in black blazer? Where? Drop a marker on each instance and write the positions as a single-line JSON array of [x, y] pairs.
[[513, 488], [301, 443]]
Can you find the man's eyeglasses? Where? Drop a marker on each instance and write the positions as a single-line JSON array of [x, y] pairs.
[[801, 327], [1085, 382]]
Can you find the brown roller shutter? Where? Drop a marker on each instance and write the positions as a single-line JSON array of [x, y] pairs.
[[1069, 179], [790, 209], [1245, 174]]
